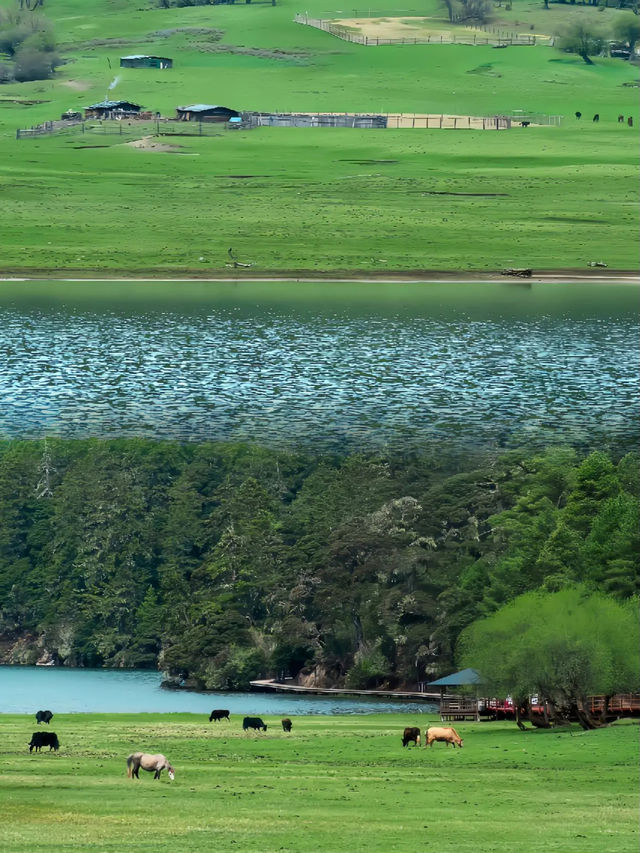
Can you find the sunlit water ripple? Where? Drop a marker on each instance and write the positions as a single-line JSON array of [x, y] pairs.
[[323, 379]]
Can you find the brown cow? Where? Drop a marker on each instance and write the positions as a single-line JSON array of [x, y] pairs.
[[411, 735], [448, 735]]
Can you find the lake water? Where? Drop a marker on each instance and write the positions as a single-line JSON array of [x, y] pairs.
[[27, 689], [327, 366]]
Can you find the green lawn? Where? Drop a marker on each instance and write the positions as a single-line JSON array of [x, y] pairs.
[[318, 200], [334, 784], [542, 197]]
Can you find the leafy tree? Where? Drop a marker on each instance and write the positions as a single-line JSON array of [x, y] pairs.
[[626, 28], [583, 37], [133, 552], [27, 39], [562, 646]]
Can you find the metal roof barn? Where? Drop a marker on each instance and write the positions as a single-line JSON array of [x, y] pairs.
[[205, 112], [140, 60], [111, 109]]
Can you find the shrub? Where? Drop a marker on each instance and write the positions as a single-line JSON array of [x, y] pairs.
[[32, 64]]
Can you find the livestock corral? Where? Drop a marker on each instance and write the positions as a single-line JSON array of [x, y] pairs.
[[334, 783]]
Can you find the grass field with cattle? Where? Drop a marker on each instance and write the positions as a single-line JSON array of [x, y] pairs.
[[316, 199], [341, 783]]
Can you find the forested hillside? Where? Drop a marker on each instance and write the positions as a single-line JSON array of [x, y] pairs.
[[221, 562]]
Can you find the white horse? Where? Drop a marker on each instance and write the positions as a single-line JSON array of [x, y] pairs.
[[153, 763]]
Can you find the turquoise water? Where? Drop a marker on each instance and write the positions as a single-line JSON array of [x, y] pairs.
[[324, 366], [27, 689]]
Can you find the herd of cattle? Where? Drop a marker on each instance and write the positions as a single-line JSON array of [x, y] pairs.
[[157, 763]]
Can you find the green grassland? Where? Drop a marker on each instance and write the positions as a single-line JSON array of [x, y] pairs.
[[542, 197], [334, 784]]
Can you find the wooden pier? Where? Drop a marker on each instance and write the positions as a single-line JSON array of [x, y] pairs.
[[270, 684]]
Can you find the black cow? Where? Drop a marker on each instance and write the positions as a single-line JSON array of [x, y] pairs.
[[596, 117], [43, 717], [40, 739], [525, 123], [253, 723], [218, 714], [411, 735], [630, 121], [578, 115], [286, 724], [620, 119]]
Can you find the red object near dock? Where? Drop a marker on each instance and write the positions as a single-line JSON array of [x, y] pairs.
[[620, 705]]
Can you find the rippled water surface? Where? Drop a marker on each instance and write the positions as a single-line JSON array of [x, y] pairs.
[[324, 365], [27, 689]]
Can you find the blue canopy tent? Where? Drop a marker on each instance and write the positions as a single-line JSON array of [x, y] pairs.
[[458, 679], [459, 708]]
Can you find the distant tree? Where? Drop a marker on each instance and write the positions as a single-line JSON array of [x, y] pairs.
[[468, 10], [6, 72], [583, 37], [562, 646], [476, 10], [626, 28], [452, 7]]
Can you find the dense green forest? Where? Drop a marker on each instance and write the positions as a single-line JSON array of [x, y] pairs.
[[222, 562]]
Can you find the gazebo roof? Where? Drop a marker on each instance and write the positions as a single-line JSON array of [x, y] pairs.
[[458, 679]]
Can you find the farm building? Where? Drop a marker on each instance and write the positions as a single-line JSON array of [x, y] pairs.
[[138, 60], [112, 109], [205, 112]]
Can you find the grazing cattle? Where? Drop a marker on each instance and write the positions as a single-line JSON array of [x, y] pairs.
[[525, 123], [630, 121], [253, 723], [578, 115], [448, 735], [411, 735], [218, 714], [40, 739], [43, 717], [620, 119], [596, 117], [153, 763], [286, 724]]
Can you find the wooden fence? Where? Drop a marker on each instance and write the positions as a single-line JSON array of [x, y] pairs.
[[126, 128], [488, 36]]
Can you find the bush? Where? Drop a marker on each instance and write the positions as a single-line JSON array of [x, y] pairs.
[[234, 669], [368, 670], [6, 72], [32, 64]]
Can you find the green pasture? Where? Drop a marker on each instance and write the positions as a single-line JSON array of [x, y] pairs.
[[333, 784], [320, 199], [323, 199]]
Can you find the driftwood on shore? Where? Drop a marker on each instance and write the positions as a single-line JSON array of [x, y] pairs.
[[520, 273]]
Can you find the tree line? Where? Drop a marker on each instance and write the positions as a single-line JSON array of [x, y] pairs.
[[222, 562], [28, 42]]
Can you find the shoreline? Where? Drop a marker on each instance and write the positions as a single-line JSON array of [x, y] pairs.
[[559, 275]]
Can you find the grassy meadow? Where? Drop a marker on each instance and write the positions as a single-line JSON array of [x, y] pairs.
[[316, 199], [335, 784]]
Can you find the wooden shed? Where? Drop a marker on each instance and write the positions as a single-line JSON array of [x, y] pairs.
[[112, 109], [139, 60], [205, 112]]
